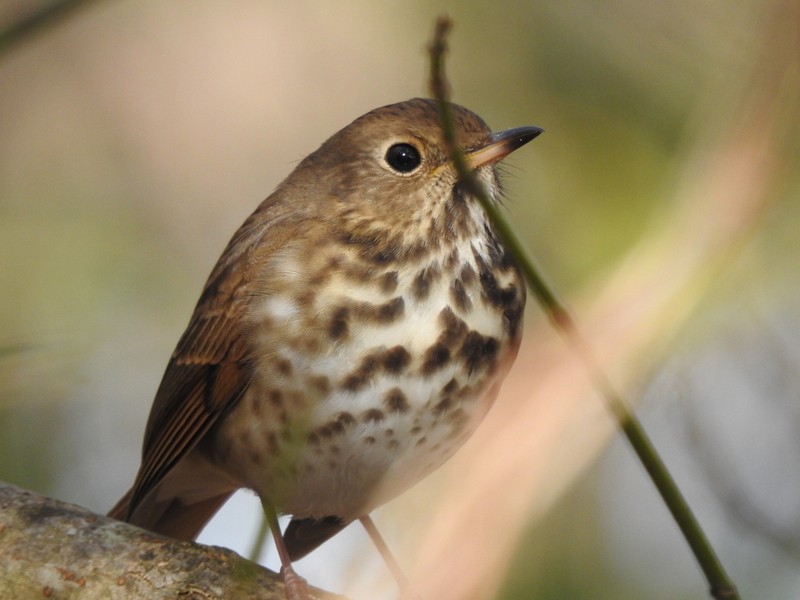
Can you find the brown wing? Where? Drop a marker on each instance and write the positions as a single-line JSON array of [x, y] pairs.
[[207, 374], [211, 366]]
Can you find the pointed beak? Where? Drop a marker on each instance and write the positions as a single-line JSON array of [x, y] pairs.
[[500, 145]]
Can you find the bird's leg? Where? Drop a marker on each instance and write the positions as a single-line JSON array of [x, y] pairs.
[[405, 587], [295, 586]]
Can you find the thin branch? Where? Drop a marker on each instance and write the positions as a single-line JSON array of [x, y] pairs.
[[721, 586], [261, 539]]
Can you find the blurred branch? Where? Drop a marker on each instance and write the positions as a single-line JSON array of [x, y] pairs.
[[35, 22], [721, 586], [774, 389], [50, 548], [735, 501]]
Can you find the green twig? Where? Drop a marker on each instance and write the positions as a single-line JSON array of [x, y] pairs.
[[721, 587], [36, 21], [261, 539]]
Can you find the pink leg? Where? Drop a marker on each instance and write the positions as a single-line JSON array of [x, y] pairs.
[[295, 586], [388, 557]]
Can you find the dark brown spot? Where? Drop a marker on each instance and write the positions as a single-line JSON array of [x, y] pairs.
[[359, 378], [421, 286], [339, 328], [388, 282], [392, 444], [496, 295], [450, 387], [491, 291], [453, 328], [415, 430], [512, 317], [459, 296], [396, 359], [335, 426], [369, 440], [421, 441], [478, 351], [468, 275], [387, 245], [452, 260], [373, 415], [324, 432], [497, 254], [313, 439], [284, 366], [391, 310], [374, 245], [442, 406], [381, 314], [436, 357], [306, 298], [414, 251], [388, 432], [319, 383], [381, 257], [395, 401], [345, 419]]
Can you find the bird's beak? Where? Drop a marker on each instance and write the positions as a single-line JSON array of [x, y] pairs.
[[500, 145]]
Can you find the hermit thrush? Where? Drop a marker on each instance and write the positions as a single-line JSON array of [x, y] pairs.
[[351, 337]]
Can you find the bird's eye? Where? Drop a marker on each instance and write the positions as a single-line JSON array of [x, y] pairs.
[[403, 158]]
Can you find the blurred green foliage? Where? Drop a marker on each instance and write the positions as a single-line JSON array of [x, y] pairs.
[[135, 137]]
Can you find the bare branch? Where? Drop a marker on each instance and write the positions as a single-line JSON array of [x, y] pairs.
[[50, 548]]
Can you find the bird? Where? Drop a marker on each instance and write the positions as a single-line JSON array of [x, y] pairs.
[[353, 334]]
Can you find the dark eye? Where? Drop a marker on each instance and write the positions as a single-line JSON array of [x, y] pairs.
[[403, 158]]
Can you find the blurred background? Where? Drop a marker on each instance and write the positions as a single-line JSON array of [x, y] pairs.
[[662, 202]]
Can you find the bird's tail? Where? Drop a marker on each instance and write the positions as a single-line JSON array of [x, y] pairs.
[[173, 517]]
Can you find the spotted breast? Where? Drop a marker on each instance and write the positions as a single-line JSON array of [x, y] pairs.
[[351, 337], [381, 373]]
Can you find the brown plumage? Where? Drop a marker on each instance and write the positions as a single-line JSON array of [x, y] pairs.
[[352, 335]]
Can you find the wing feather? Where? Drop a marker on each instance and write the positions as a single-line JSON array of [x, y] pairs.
[[213, 362]]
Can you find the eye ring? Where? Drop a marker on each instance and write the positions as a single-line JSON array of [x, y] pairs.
[[403, 158]]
